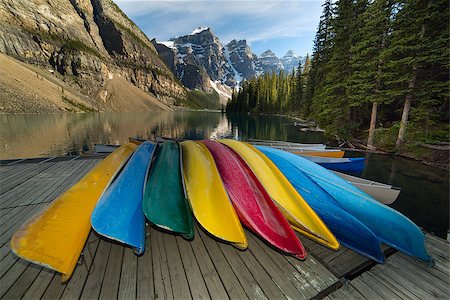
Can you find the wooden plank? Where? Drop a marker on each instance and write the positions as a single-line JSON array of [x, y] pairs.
[[246, 279], [230, 281], [8, 214], [365, 289], [55, 289], [11, 276], [277, 275], [9, 260], [435, 271], [346, 292], [5, 235], [40, 284], [196, 283], [110, 284], [18, 179], [399, 290], [266, 283], [145, 285], [163, 286], [20, 287], [177, 273], [376, 285], [127, 285], [19, 216], [93, 285], [327, 278], [298, 280], [212, 279]]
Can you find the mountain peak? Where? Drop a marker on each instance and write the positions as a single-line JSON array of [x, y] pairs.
[[267, 53], [290, 53], [199, 30]]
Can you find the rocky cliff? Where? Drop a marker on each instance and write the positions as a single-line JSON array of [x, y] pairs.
[[86, 43]]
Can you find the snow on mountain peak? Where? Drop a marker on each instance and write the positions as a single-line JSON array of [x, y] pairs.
[[267, 53], [290, 53], [199, 29]]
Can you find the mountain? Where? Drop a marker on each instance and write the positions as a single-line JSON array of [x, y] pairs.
[[93, 48], [242, 59], [269, 62], [290, 61]]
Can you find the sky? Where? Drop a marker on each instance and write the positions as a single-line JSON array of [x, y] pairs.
[[268, 24]]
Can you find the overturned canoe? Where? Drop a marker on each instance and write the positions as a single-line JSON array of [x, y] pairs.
[[118, 214], [55, 237], [349, 231], [165, 204], [383, 193], [207, 196], [353, 165], [252, 203], [321, 153], [390, 226], [299, 214]]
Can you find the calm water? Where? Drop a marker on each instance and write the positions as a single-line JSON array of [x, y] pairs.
[[425, 190]]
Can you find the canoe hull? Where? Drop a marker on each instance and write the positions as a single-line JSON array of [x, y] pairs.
[[55, 237], [348, 230], [164, 203], [390, 226], [299, 214], [354, 165], [252, 203], [333, 154], [207, 196], [118, 214]]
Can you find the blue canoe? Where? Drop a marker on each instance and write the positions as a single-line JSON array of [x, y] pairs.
[[354, 165], [390, 226], [348, 230], [118, 214]]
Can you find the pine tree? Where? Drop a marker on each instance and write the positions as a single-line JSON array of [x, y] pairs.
[[299, 87]]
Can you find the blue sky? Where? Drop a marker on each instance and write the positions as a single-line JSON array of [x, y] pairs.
[[275, 25]]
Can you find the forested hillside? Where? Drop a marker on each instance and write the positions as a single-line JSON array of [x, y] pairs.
[[379, 64]]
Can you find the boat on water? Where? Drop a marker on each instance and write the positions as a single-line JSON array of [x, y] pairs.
[[208, 198], [165, 203], [349, 231], [297, 211], [55, 237], [390, 226], [253, 205], [105, 148], [354, 165], [284, 144], [384, 193], [118, 214]]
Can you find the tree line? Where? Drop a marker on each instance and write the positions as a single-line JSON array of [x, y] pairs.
[[379, 63]]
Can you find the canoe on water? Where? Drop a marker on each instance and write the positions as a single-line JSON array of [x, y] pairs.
[[353, 165], [118, 214], [349, 231], [299, 214], [252, 203], [56, 237], [209, 200], [332, 153], [165, 203], [390, 226], [383, 193]]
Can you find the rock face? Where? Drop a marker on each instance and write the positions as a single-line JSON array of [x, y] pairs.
[[269, 62], [86, 42], [242, 58], [290, 61]]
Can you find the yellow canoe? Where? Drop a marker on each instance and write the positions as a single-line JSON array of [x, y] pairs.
[[334, 154], [209, 201], [55, 237], [299, 214]]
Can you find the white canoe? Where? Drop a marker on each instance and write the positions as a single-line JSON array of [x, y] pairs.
[[284, 144], [384, 193]]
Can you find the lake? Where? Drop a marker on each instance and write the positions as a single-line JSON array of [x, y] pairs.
[[425, 190]]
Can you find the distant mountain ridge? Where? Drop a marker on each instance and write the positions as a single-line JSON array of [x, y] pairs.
[[201, 61]]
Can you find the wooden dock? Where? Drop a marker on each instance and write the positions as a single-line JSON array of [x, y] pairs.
[[173, 268]]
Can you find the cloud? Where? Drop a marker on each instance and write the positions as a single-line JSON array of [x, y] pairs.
[[253, 20]]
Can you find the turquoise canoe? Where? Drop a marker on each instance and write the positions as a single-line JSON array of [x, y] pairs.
[[165, 203], [390, 226], [118, 214]]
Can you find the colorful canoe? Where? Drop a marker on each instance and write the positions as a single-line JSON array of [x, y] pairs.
[[56, 237], [322, 153], [349, 231], [207, 196], [252, 203], [165, 203], [353, 165], [118, 214], [390, 226], [299, 214]]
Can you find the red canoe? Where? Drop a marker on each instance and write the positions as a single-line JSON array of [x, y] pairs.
[[253, 205]]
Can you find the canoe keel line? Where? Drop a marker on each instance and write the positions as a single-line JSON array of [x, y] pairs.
[[56, 237]]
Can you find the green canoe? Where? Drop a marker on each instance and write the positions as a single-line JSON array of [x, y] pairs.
[[164, 203]]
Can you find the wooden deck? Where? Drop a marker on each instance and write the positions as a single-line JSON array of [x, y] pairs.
[[173, 268]]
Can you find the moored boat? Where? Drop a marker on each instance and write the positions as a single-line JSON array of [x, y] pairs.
[[383, 193], [118, 214], [165, 203], [209, 200], [253, 205], [390, 226], [55, 237], [354, 165], [299, 214], [349, 231]]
